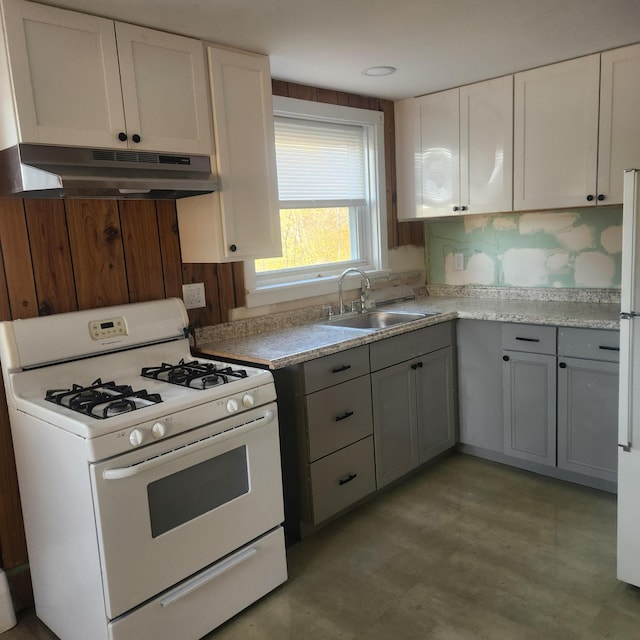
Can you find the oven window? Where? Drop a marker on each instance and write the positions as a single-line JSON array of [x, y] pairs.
[[187, 494]]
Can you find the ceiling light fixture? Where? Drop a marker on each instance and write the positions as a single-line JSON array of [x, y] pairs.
[[379, 71]]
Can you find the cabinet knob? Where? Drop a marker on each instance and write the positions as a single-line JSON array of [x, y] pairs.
[[563, 365], [463, 208], [136, 138], [456, 208], [590, 198], [233, 248], [349, 478], [505, 358], [601, 197], [122, 136]]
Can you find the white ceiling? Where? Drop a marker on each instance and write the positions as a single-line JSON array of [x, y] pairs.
[[434, 44]]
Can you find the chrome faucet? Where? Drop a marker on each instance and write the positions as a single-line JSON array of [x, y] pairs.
[[366, 287]]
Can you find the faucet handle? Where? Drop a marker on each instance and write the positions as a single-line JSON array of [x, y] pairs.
[[328, 310]]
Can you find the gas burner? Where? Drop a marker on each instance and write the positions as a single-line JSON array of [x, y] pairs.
[[102, 399], [194, 374]]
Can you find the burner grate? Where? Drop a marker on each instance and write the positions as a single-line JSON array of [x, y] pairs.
[[194, 374], [102, 399]]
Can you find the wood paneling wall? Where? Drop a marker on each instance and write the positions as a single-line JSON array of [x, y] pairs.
[[63, 255], [398, 233]]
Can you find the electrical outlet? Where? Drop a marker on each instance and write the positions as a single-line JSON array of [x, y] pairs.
[[193, 295], [458, 261]]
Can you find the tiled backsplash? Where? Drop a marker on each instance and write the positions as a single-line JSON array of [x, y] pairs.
[[577, 248]]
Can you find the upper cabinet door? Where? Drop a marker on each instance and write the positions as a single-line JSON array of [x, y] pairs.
[[556, 135], [619, 145], [486, 146], [64, 71], [164, 89], [438, 168]]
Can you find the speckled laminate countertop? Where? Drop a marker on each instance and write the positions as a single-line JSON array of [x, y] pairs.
[[295, 344]]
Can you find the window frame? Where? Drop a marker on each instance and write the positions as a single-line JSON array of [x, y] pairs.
[[304, 282]]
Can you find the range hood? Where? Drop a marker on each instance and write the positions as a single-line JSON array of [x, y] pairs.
[[45, 171]]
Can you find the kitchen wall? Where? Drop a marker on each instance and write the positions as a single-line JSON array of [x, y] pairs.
[[575, 248]]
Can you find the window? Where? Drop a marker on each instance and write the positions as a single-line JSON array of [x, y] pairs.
[[331, 187]]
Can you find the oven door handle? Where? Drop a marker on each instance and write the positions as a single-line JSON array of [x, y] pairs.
[[206, 577], [176, 454]]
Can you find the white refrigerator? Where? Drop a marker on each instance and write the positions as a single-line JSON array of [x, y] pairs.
[[629, 408]]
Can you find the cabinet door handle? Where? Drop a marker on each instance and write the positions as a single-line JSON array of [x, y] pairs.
[[344, 416], [506, 358], [463, 208], [122, 136], [528, 339], [563, 365], [340, 369], [349, 478], [601, 197], [607, 348], [456, 208], [136, 138], [590, 198]]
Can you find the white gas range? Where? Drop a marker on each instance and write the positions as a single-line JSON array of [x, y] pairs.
[[150, 480]]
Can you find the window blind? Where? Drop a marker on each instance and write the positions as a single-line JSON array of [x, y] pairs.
[[319, 162]]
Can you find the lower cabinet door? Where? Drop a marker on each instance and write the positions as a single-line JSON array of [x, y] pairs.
[[529, 396], [395, 430], [342, 478], [588, 417], [435, 397]]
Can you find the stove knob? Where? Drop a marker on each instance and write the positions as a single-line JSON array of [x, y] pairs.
[[248, 400], [136, 437], [158, 430], [232, 405]]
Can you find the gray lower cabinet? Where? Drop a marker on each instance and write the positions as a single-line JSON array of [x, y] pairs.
[[327, 437], [588, 374], [529, 392], [480, 411], [412, 385], [541, 397]]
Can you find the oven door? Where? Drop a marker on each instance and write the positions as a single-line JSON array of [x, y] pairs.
[[166, 511]]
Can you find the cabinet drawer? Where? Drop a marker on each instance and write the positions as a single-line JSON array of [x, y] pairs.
[[342, 479], [338, 367], [409, 345], [339, 416], [595, 344], [531, 338]]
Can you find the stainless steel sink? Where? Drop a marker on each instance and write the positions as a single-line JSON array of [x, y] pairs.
[[372, 320]]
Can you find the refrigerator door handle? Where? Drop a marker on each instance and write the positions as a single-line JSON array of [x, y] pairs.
[[625, 406], [628, 315]]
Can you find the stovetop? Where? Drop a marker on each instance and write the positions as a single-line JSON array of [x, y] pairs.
[[92, 397]]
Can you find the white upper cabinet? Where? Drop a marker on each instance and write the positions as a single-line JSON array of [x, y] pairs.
[[486, 146], [619, 143], [242, 220], [556, 135], [164, 90], [454, 151], [78, 80]]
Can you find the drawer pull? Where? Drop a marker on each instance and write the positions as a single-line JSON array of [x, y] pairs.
[[528, 339], [606, 348], [344, 416], [340, 369], [349, 478]]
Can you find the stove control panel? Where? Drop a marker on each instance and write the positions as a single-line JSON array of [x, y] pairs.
[[108, 328]]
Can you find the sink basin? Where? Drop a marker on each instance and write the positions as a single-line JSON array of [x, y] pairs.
[[372, 320]]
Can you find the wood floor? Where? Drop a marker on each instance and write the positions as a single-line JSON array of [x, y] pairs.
[[466, 549]]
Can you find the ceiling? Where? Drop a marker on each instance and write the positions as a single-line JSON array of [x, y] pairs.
[[434, 44]]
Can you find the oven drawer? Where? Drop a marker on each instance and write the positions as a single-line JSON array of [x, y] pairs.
[[200, 604], [342, 479], [339, 416], [335, 368]]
